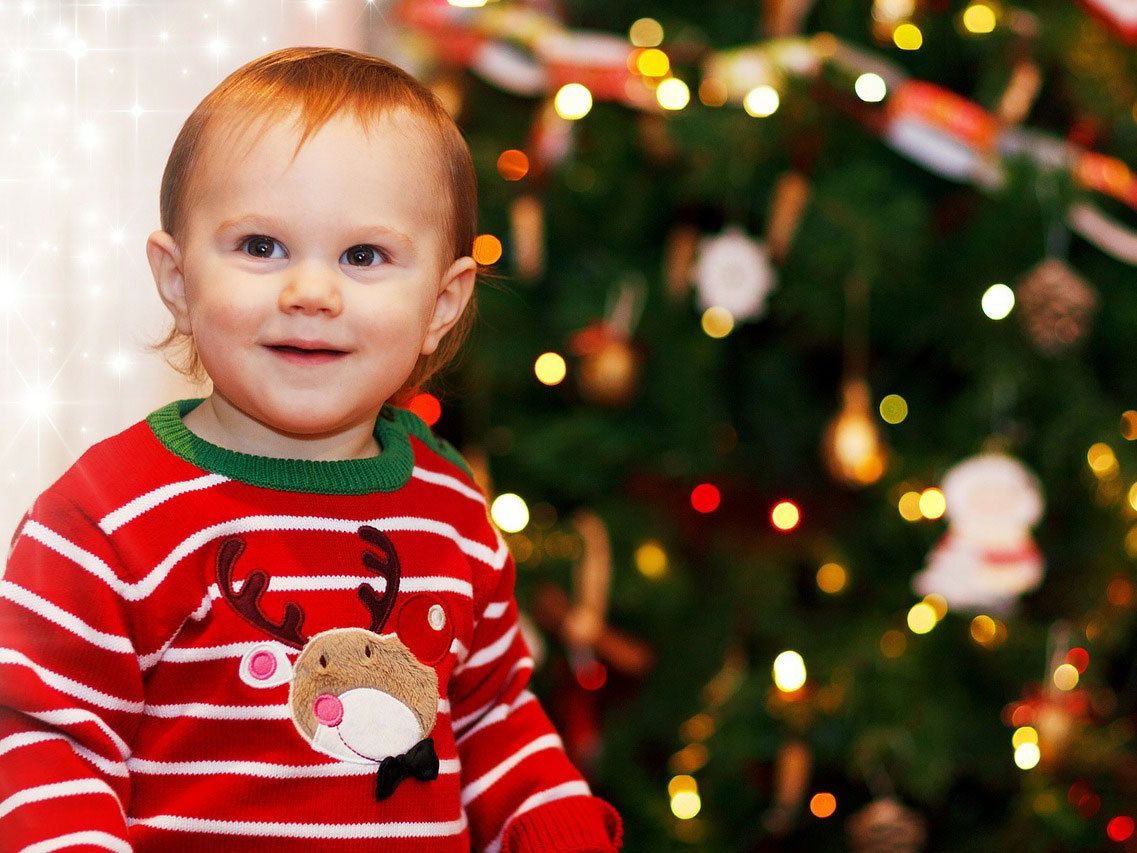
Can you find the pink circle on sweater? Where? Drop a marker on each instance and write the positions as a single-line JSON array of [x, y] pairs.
[[328, 709], [262, 664]]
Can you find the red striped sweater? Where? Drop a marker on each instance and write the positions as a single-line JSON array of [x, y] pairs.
[[205, 650]]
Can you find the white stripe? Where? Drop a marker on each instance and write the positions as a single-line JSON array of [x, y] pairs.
[[69, 685], [462, 722], [26, 739], [110, 768], [112, 521], [264, 829], [87, 838], [54, 613], [193, 654], [74, 716], [497, 715], [495, 610], [577, 788], [72, 788], [266, 769], [484, 782], [494, 558], [316, 583], [458, 650], [449, 482], [492, 652], [436, 583], [206, 711], [443, 705]]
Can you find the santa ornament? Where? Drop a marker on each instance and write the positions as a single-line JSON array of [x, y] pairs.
[[988, 557]]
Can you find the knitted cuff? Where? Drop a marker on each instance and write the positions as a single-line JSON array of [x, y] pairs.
[[571, 825]]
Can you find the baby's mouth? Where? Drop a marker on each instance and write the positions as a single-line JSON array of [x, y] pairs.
[[304, 350], [306, 355]]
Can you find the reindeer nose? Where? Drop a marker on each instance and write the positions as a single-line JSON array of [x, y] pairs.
[[328, 709]]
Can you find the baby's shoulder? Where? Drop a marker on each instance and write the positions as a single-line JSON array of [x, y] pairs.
[[437, 449]]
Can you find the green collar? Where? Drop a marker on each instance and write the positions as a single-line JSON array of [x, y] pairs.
[[387, 472]]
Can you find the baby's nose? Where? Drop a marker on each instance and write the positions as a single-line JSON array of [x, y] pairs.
[[328, 710]]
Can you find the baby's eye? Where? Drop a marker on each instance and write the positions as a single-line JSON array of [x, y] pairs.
[[362, 256], [261, 247]]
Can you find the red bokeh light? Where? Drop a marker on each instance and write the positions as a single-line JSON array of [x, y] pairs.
[[1079, 658], [1120, 828], [705, 498], [427, 407]]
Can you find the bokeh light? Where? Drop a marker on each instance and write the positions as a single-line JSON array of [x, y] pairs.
[[789, 671], [550, 368], [509, 512], [572, 101]]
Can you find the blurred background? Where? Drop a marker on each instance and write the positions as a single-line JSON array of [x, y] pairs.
[[804, 381]]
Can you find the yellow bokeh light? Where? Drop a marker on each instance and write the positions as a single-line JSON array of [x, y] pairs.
[[680, 783], [673, 94], [785, 515], [933, 504], [983, 629], [717, 322], [1133, 496], [1066, 677], [938, 603], [832, 577], [921, 618], [870, 88], [998, 301], [822, 804], [1101, 459], [550, 368], [979, 18], [653, 62], [907, 36], [909, 506], [893, 409], [789, 671], [1027, 756], [646, 32], [651, 559], [487, 249], [893, 643], [509, 512], [573, 101], [685, 805], [1024, 734], [761, 101], [1129, 425]]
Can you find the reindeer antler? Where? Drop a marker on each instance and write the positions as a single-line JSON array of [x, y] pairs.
[[379, 605], [247, 601]]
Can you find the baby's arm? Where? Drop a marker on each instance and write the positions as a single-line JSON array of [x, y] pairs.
[[520, 791], [70, 685]]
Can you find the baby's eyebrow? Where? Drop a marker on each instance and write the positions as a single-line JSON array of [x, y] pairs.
[[257, 220]]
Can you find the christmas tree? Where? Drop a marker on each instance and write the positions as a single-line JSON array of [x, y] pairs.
[[802, 373]]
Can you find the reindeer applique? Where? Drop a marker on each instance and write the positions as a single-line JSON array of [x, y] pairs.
[[355, 694]]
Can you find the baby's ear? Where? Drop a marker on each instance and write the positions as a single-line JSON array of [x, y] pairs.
[[454, 291], [166, 264]]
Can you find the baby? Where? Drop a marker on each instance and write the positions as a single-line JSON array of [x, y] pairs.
[[278, 618]]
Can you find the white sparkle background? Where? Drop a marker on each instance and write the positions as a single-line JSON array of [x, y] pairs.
[[92, 95]]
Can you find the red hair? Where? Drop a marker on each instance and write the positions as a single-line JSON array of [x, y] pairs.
[[320, 83]]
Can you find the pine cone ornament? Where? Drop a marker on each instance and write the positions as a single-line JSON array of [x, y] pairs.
[[885, 826], [1056, 305]]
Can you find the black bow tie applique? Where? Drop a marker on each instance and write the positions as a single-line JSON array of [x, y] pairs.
[[420, 761]]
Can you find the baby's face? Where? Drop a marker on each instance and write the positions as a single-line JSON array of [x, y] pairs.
[[312, 286]]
